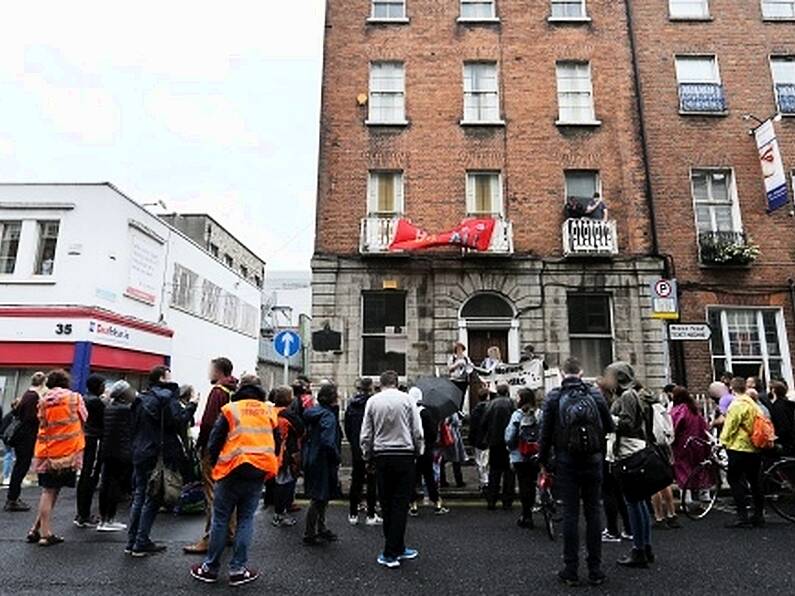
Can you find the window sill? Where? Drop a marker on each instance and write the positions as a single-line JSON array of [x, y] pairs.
[[482, 122], [374, 123], [572, 20], [30, 281], [586, 123], [778, 19], [787, 114], [706, 19], [377, 21], [722, 114], [476, 20]]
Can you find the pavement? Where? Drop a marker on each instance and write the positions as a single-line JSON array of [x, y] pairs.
[[468, 551]]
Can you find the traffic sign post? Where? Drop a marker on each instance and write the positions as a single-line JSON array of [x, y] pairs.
[[689, 332], [664, 299], [287, 344]]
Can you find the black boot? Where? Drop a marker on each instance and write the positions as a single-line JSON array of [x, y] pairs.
[[636, 558], [649, 554]]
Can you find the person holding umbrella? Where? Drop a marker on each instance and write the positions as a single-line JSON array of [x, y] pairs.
[[391, 439], [424, 470]]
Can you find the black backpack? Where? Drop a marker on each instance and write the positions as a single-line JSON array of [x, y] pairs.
[[580, 422]]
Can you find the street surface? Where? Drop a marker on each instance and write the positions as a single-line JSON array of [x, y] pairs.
[[469, 551]]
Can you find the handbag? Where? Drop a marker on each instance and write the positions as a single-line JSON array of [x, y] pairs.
[[11, 427], [165, 484]]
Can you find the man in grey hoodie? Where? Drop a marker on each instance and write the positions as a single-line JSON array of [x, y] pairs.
[[391, 439]]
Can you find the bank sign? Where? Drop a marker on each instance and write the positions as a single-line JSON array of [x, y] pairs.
[[772, 166]]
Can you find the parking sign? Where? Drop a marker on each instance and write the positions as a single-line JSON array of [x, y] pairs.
[[664, 300]]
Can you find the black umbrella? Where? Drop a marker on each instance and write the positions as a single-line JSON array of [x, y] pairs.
[[441, 395]]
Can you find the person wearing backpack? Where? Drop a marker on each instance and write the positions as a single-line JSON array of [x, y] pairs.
[[745, 458], [574, 425], [522, 436]]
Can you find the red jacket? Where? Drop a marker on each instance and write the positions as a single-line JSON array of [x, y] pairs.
[[219, 396]]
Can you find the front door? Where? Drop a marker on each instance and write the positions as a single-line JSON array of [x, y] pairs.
[[480, 340]]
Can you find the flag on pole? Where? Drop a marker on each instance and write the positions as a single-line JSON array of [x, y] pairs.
[[471, 233], [772, 166]]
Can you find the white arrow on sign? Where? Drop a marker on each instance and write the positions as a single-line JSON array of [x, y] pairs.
[[287, 341], [689, 332]]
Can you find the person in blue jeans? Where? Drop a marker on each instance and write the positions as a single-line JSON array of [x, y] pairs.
[[574, 425], [158, 419], [242, 449]]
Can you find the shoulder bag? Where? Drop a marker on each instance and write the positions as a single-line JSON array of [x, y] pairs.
[[165, 484]]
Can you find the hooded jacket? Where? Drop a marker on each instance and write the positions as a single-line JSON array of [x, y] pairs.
[[147, 408], [630, 410], [354, 418], [321, 455]]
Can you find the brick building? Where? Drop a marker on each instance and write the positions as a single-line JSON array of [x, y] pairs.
[[525, 112], [703, 65]]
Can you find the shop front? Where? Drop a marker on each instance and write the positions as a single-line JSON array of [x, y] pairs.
[[83, 340]]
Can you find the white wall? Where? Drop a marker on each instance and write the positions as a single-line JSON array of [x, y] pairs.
[[92, 268]]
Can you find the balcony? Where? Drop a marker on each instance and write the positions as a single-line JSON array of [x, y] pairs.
[[702, 98], [726, 249], [584, 237], [377, 233], [785, 94]]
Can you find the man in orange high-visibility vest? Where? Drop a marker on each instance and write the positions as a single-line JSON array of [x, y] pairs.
[[242, 448]]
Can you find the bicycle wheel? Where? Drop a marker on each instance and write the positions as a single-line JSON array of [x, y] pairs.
[[700, 490], [549, 521], [778, 484]]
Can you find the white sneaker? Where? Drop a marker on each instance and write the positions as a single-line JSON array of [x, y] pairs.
[[353, 520], [375, 520], [111, 526]]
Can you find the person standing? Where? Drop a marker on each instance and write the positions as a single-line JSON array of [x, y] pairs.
[[745, 460], [116, 454], [242, 448], [633, 414], [158, 417], [92, 460], [321, 460], [354, 417], [27, 411], [223, 386], [495, 421], [58, 451], [782, 414], [460, 367], [391, 439], [424, 463], [522, 437], [575, 422], [688, 454], [455, 454], [291, 431], [477, 438]]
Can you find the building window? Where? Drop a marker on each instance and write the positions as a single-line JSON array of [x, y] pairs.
[[717, 214], [387, 93], [481, 93], [778, 9], [688, 9], [783, 68], [584, 195], [385, 193], [575, 93], [48, 241], [244, 271], [185, 285], [9, 245], [568, 9], [478, 10], [258, 281], [383, 332], [484, 193], [700, 88], [750, 343], [388, 10], [229, 261], [591, 331], [214, 250]]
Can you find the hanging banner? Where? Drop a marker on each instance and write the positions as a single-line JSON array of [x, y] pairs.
[[470, 233], [772, 166]]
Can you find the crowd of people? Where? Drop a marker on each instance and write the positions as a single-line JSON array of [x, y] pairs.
[[613, 446]]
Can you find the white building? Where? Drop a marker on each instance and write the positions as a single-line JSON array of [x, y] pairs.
[[92, 282]]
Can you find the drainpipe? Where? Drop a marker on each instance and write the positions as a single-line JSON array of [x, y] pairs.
[[791, 283]]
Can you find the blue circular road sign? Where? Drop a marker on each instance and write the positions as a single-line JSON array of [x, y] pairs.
[[287, 343]]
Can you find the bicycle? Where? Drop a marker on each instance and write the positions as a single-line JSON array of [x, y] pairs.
[[547, 503], [778, 486], [699, 493]]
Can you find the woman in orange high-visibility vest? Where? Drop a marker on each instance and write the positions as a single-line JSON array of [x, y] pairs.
[[59, 450]]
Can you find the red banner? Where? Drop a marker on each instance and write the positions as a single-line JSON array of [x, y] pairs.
[[470, 233]]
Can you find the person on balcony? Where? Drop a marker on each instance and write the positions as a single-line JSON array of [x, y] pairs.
[[597, 208]]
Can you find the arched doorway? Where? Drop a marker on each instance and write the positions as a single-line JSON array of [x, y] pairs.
[[489, 319]]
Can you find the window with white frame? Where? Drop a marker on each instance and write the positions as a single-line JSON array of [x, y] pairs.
[[387, 93], [778, 9], [9, 245], [385, 193], [575, 93], [715, 201], [688, 9], [591, 331], [583, 194], [783, 69], [484, 193], [481, 93], [700, 88], [474, 10], [568, 9], [750, 342], [388, 10], [383, 332], [48, 242]]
